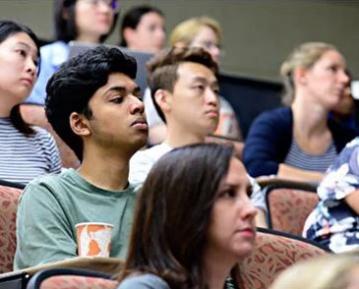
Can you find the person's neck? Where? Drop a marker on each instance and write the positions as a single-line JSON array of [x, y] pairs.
[[178, 136], [104, 169], [309, 119], [216, 268], [5, 106], [88, 38]]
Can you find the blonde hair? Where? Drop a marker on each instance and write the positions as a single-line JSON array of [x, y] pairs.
[[325, 272], [187, 30], [304, 56]]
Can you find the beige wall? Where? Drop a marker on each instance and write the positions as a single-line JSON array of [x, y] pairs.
[[258, 34]]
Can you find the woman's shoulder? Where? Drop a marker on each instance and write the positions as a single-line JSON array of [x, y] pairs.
[[56, 52], [144, 281], [279, 113], [275, 120]]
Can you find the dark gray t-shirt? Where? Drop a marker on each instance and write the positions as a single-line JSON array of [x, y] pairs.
[[143, 281]]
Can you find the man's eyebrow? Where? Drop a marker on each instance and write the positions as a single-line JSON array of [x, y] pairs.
[[120, 89], [200, 78], [123, 89], [205, 80]]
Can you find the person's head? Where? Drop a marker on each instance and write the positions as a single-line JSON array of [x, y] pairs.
[[202, 32], [88, 20], [143, 28], [19, 60], [338, 271], [318, 69], [194, 203], [93, 98], [184, 88]]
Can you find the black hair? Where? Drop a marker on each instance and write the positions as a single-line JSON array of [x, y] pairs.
[[133, 17], [71, 88], [7, 29], [65, 28]]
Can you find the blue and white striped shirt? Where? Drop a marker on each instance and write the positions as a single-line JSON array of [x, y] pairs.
[[300, 159], [23, 158]]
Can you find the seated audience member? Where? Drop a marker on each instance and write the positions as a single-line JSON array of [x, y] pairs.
[[25, 152], [206, 33], [88, 21], [92, 103], [193, 223], [185, 89], [300, 141], [143, 29], [339, 271], [334, 221]]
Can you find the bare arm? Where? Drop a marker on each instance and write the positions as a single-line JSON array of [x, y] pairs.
[[353, 201], [292, 173]]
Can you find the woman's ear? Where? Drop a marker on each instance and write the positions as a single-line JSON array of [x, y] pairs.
[[79, 124], [65, 14], [180, 44], [164, 100], [299, 75], [129, 35]]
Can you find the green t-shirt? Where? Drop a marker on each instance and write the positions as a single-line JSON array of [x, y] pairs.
[[51, 206]]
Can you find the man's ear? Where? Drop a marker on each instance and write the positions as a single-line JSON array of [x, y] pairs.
[[164, 100], [79, 124]]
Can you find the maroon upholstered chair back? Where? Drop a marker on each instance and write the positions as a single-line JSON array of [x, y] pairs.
[[78, 282], [289, 208], [273, 253], [71, 278], [35, 115], [9, 198]]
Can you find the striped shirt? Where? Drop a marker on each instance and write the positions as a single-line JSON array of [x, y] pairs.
[[319, 163], [23, 158]]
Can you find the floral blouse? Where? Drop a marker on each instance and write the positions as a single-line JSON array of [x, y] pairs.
[[333, 223]]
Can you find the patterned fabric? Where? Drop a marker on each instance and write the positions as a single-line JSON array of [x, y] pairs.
[[77, 282], [290, 208], [271, 256], [333, 222], [8, 206]]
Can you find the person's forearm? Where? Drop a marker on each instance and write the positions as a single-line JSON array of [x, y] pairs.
[[292, 173]]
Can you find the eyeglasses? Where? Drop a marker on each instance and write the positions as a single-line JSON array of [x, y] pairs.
[[113, 4]]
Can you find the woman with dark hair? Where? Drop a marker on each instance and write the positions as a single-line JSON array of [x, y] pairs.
[[25, 152], [194, 221], [143, 29], [88, 21]]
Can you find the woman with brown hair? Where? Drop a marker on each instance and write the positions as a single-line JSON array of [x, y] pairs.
[[194, 221]]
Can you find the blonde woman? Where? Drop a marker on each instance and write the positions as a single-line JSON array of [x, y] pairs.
[[326, 272], [299, 141], [206, 33]]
